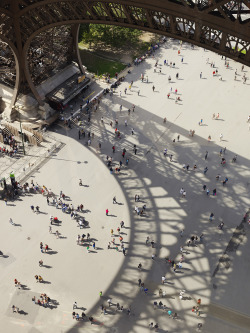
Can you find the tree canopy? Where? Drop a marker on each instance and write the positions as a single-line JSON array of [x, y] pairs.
[[109, 34]]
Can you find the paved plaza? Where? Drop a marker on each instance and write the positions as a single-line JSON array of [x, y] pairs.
[[214, 269]]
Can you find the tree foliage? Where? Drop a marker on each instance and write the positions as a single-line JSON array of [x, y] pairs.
[[109, 34]]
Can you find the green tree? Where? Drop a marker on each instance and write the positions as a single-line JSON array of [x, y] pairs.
[[109, 34]]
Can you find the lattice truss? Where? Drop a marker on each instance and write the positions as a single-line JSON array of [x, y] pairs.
[[7, 65], [49, 52], [227, 27], [38, 13]]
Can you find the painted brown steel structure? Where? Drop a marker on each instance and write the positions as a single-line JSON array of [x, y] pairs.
[[219, 25]]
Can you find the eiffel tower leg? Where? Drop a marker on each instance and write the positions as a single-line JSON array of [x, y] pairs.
[[75, 48]]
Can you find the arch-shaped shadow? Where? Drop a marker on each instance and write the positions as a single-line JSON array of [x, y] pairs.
[[158, 182]]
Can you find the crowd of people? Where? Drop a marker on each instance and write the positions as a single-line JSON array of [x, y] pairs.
[[118, 162], [9, 140]]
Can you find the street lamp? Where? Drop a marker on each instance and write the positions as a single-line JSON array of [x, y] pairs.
[[21, 130]]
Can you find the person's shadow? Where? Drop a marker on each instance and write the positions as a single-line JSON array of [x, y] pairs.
[[22, 312]]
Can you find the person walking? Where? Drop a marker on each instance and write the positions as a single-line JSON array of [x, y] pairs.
[[220, 226], [206, 155], [211, 217], [11, 221], [107, 212]]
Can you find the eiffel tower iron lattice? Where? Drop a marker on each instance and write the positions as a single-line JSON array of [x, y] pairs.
[[221, 26]]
